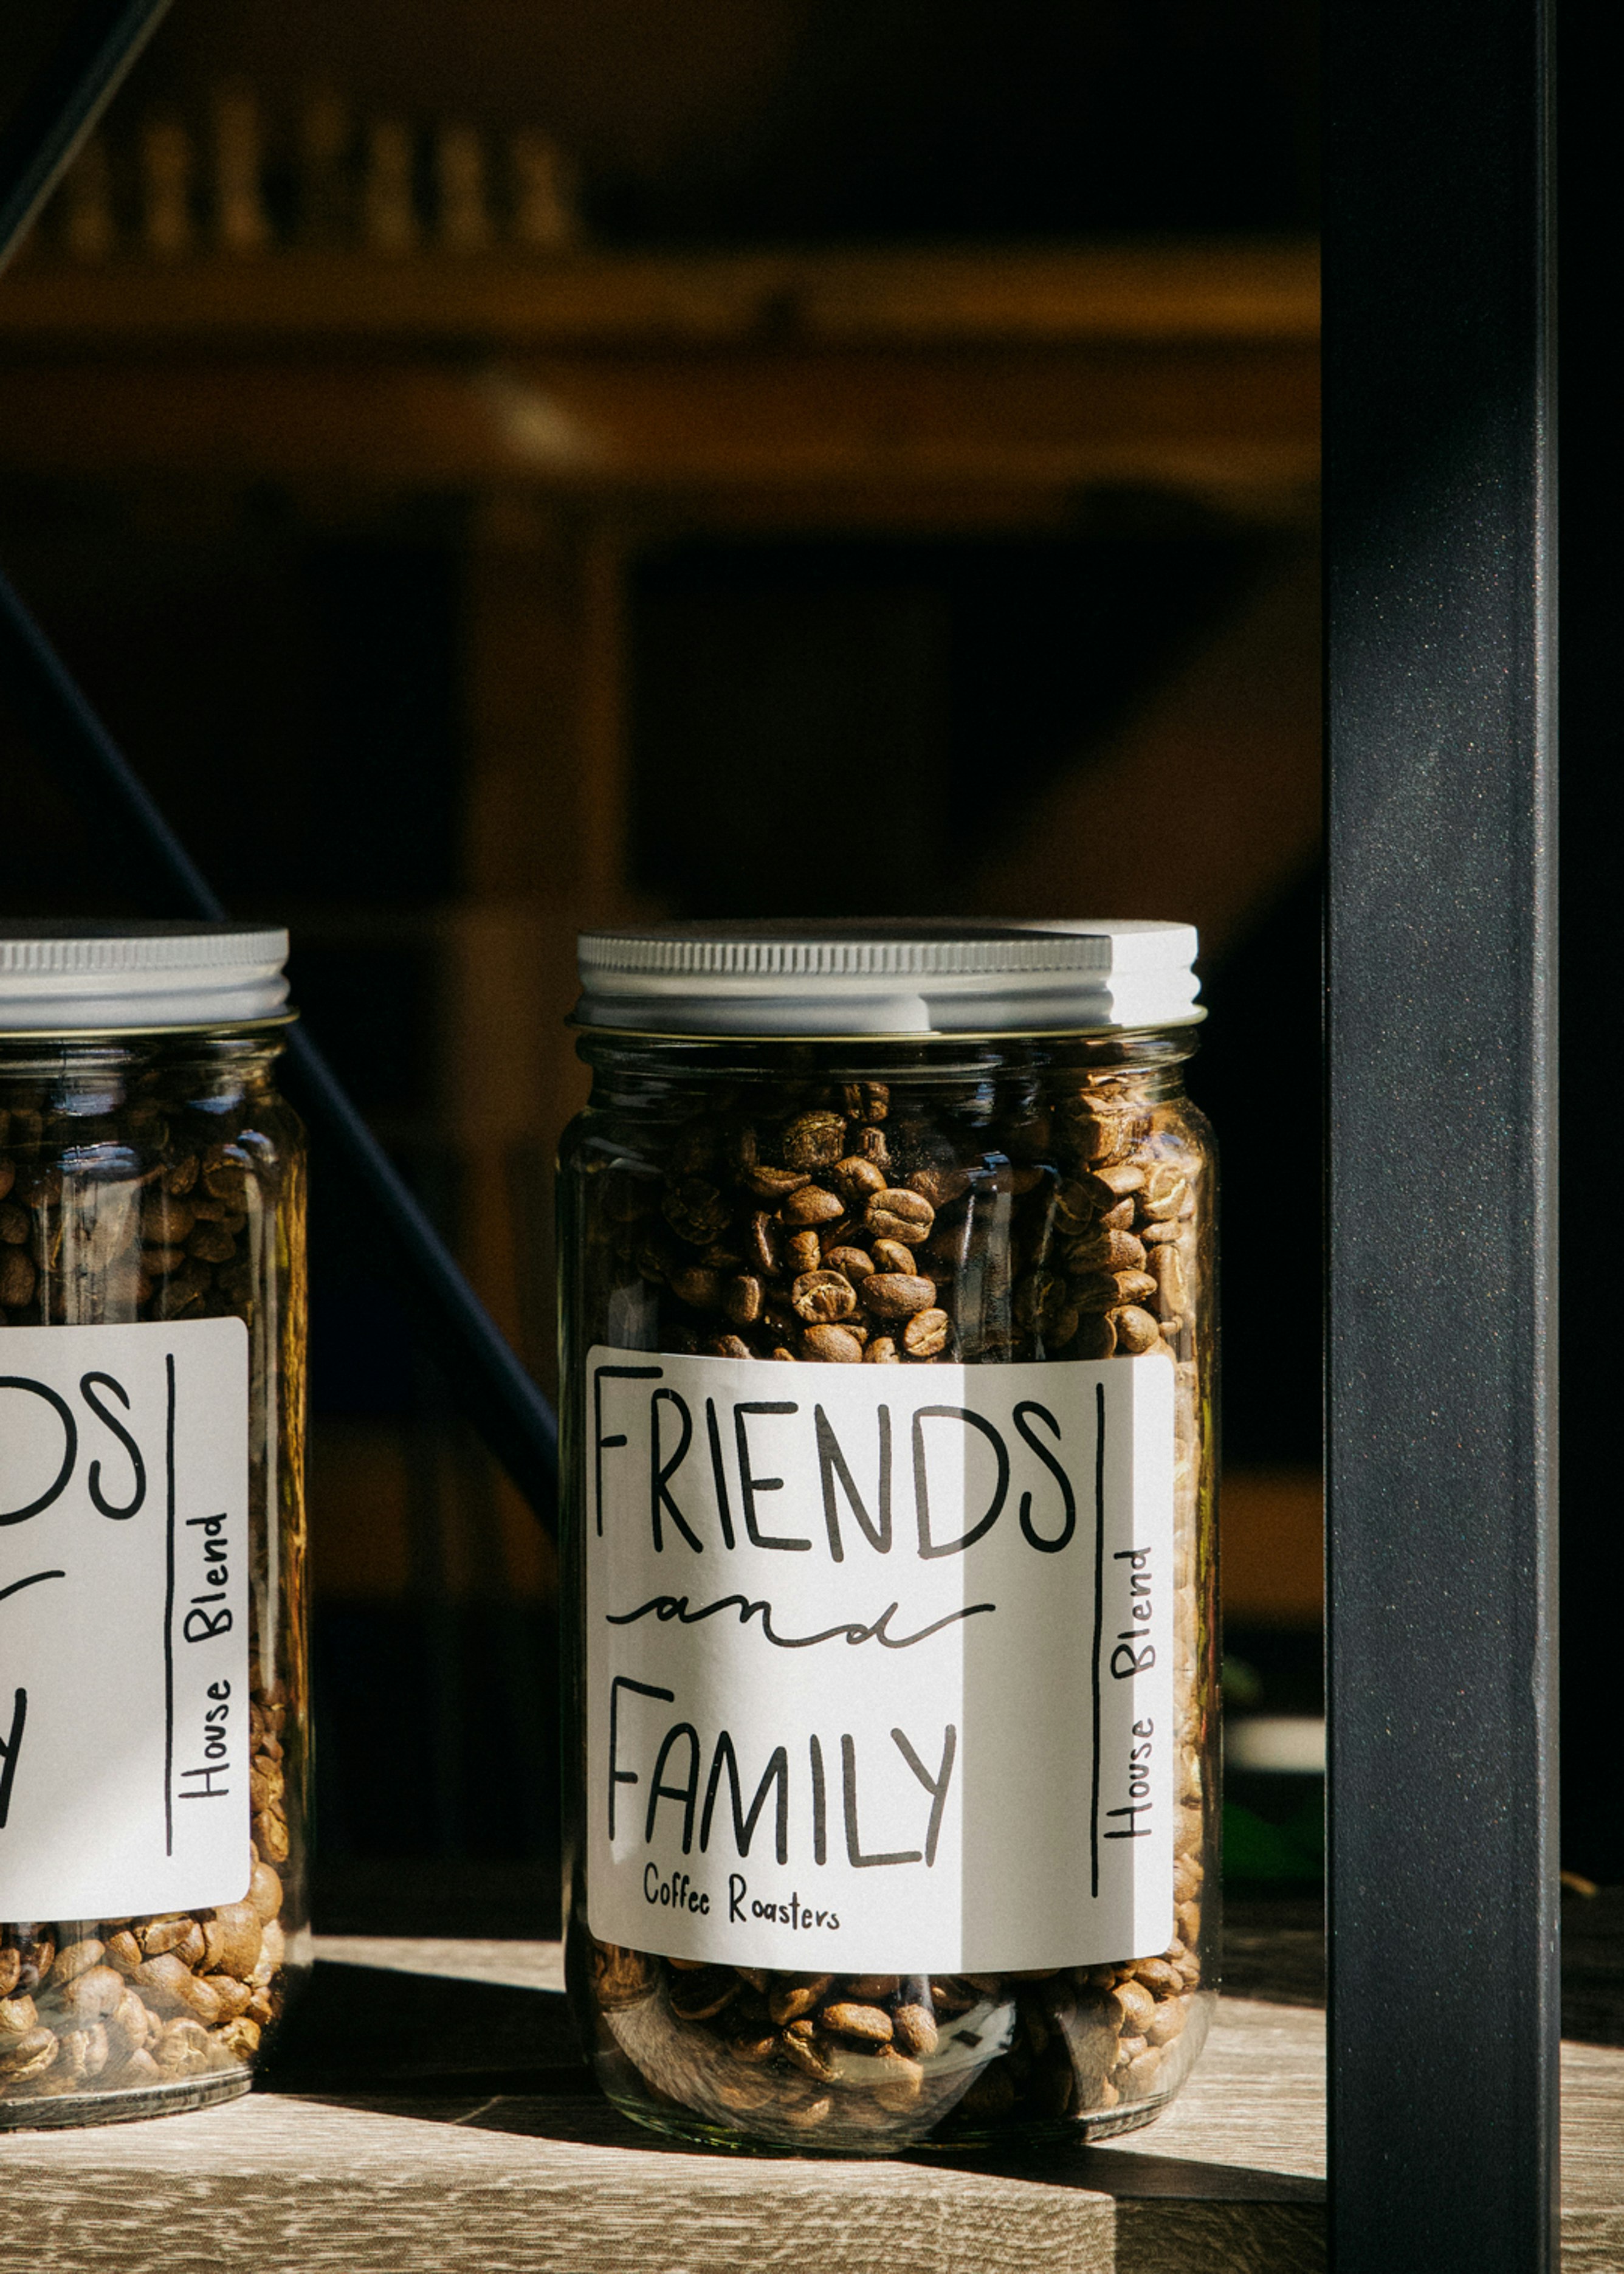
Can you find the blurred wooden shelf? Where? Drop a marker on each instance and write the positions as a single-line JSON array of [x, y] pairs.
[[1271, 1547], [977, 383], [1129, 294]]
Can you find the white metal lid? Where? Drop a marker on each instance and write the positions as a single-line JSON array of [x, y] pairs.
[[73, 978], [877, 977]]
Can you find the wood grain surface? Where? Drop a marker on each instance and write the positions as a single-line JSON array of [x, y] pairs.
[[382, 2149]]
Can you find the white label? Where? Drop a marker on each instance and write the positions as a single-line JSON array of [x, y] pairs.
[[880, 1662], [124, 1619]]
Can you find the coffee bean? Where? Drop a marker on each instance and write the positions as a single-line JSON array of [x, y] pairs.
[[1100, 1250], [800, 2042], [926, 1332], [813, 1141], [17, 1279], [744, 1300], [791, 1999], [774, 1185], [1169, 1270], [856, 1179], [823, 1298], [896, 1295], [811, 1205], [846, 2019], [695, 1210], [899, 1214], [1163, 1194], [1136, 1330], [804, 1252], [914, 2028]]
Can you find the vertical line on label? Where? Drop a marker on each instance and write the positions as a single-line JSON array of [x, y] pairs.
[[169, 1613], [1099, 1627]]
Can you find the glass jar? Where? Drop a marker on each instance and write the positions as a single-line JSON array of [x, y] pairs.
[[154, 1759], [891, 1702]]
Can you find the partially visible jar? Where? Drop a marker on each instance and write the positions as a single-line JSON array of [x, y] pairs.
[[153, 1734], [888, 1367]]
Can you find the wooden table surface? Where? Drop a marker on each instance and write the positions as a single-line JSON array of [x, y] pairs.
[[429, 2112]]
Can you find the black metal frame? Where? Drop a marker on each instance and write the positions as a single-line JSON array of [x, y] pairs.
[[1441, 1510]]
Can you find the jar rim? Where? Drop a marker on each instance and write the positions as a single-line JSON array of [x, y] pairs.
[[227, 1029]]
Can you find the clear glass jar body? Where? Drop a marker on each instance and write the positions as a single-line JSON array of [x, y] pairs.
[[145, 1180], [1055, 1199]]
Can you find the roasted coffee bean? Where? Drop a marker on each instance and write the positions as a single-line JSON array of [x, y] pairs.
[[913, 2028], [744, 1300], [813, 1141], [898, 1214], [1100, 1250], [896, 1295], [1136, 1330], [696, 1211], [74, 1959], [774, 1185], [231, 1939], [791, 2000], [822, 1298], [808, 2053], [856, 1179], [1130, 2004], [811, 1205], [871, 2023], [926, 1334], [1108, 1290], [762, 1243], [18, 1278], [1163, 1194], [698, 1286], [1169, 1270]]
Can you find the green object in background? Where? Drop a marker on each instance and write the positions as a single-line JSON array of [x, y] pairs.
[[1242, 1684], [1253, 1848]]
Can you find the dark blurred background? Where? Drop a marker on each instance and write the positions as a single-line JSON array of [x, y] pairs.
[[488, 462]]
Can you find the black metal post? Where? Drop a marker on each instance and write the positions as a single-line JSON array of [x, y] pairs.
[[1441, 1561]]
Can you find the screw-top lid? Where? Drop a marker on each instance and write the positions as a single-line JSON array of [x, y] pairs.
[[880, 977], [130, 978]]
